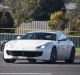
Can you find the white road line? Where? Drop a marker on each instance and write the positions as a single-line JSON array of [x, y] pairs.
[[25, 74]]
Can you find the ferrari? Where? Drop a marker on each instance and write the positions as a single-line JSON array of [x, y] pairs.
[[47, 46]]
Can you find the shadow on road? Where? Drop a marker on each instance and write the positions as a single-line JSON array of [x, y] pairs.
[[61, 63]]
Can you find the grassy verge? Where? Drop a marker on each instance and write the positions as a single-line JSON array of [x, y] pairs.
[[77, 51]]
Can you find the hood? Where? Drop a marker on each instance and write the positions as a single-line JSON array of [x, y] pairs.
[[26, 44]]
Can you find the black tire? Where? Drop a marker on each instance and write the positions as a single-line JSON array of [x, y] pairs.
[[2, 46], [9, 60], [53, 56], [72, 56]]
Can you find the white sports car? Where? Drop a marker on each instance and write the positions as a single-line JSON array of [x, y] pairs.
[[43, 46]]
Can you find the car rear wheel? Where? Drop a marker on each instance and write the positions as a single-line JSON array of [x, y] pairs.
[[72, 56], [53, 56], [9, 60]]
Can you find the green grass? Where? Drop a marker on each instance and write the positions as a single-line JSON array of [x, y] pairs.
[[77, 51]]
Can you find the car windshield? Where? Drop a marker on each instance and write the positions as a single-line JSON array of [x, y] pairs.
[[40, 36]]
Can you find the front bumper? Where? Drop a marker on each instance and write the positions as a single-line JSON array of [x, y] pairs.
[[25, 53], [38, 54]]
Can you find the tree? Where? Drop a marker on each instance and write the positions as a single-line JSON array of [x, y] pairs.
[[36, 9], [78, 7], [1, 1], [23, 10], [6, 22], [27, 10], [76, 20], [10, 3], [58, 21], [45, 7]]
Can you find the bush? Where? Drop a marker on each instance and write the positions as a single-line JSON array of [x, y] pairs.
[[58, 21]]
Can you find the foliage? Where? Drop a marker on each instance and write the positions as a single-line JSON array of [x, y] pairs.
[[78, 22], [77, 51], [58, 20], [27, 10], [1, 1], [74, 15], [23, 10], [10, 3], [44, 9], [6, 21], [78, 7]]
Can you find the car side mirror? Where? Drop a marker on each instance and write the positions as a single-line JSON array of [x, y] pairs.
[[18, 37]]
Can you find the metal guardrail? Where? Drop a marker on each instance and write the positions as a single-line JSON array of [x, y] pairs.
[[6, 36], [76, 40]]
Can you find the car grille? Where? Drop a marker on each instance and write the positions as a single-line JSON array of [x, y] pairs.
[[25, 53]]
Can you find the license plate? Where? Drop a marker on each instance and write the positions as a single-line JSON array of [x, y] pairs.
[[20, 57]]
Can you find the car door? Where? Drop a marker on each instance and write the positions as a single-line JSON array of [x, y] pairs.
[[62, 46]]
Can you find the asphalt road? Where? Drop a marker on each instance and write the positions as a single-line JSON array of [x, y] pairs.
[[22, 67]]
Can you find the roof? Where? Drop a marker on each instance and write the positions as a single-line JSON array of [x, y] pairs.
[[56, 32]]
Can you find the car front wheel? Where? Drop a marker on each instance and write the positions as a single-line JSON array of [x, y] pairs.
[[53, 56], [2, 46]]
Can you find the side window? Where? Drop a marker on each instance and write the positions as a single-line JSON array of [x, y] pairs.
[[62, 37], [35, 36], [27, 36], [47, 36], [50, 37]]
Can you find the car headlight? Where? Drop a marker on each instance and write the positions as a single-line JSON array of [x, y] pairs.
[[10, 44], [43, 46]]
